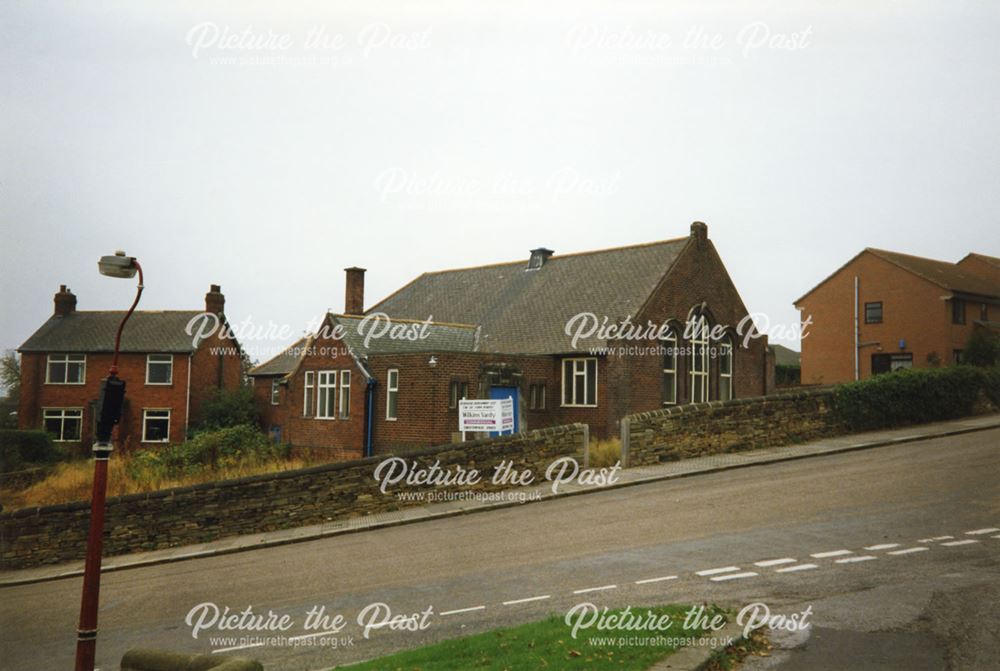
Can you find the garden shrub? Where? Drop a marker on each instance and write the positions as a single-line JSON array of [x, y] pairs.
[[913, 396], [18, 448], [221, 448]]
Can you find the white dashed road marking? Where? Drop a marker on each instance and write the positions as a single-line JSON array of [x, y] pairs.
[[883, 546], [775, 562], [832, 553], [714, 571], [461, 610], [530, 598], [594, 589], [982, 532], [935, 538], [852, 560], [649, 580], [908, 551], [967, 541], [733, 576], [797, 567]]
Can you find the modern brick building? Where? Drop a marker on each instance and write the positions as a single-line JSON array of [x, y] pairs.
[[884, 310], [166, 373], [507, 330]]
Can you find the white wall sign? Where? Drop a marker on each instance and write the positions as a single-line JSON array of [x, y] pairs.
[[486, 415]]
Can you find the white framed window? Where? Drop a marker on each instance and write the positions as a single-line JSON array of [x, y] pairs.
[[159, 368], [699, 361], [155, 425], [725, 370], [391, 394], [275, 391], [579, 382], [308, 393], [345, 394], [670, 369], [457, 390], [326, 393], [63, 423], [66, 369]]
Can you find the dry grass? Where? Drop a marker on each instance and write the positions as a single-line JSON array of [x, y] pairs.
[[72, 481], [604, 453]]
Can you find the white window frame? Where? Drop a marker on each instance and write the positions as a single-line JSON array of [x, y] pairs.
[[726, 353], [579, 366], [671, 370], [66, 359], [344, 402], [275, 391], [326, 394], [62, 417], [308, 393], [170, 362], [145, 418], [699, 354], [391, 394]]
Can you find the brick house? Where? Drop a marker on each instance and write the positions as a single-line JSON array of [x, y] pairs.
[[884, 310], [166, 373], [501, 331]]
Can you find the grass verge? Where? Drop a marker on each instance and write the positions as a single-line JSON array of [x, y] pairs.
[[547, 645]]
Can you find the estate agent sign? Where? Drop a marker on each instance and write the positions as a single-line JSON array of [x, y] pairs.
[[486, 415]]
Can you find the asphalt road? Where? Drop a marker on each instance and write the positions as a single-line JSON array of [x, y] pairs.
[[924, 596]]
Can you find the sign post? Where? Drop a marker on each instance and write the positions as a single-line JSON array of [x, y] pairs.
[[493, 415]]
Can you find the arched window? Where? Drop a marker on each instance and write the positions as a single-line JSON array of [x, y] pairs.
[[699, 359], [725, 369], [670, 369]]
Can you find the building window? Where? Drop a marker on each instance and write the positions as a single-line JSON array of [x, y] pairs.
[[536, 397], [956, 356], [457, 390], [670, 370], [957, 311], [63, 423], [326, 390], [873, 313], [984, 313], [345, 394], [159, 368], [155, 426], [391, 394], [66, 369], [725, 370], [699, 361], [275, 391], [579, 382], [308, 393]]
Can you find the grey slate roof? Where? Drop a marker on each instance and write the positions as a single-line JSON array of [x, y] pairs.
[[784, 356], [94, 331], [285, 362], [525, 311], [440, 338]]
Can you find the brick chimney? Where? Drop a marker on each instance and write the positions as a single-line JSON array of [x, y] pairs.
[[65, 301], [215, 301], [354, 293], [699, 233]]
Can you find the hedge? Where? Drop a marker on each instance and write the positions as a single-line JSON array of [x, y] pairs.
[[913, 396], [18, 448]]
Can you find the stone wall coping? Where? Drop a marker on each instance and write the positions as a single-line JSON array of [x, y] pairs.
[[284, 475], [689, 408]]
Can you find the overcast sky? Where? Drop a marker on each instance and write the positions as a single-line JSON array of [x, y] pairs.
[[267, 146]]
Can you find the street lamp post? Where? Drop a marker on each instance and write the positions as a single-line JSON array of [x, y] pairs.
[[109, 411]]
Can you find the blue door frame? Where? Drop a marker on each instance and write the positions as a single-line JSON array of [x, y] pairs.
[[500, 393]]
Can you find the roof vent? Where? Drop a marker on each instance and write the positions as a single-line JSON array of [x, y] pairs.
[[538, 258]]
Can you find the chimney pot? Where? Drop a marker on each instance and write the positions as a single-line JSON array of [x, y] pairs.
[[215, 300], [65, 301], [539, 257], [354, 291]]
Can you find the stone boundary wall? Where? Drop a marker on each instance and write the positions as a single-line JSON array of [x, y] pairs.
[[695, 430], [213, 510]]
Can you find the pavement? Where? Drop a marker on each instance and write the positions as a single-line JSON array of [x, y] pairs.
[[521, 496]]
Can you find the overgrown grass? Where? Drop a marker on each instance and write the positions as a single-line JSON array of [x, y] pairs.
[[546, 644], [215, 455], [604, 453]]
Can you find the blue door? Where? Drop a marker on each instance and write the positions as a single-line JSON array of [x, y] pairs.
[[499, 393]]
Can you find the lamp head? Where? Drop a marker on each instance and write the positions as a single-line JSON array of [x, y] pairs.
[[117, 265]]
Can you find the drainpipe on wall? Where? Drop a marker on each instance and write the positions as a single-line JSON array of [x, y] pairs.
[[857, 361], [370, 417], [187, 397]]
